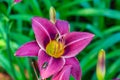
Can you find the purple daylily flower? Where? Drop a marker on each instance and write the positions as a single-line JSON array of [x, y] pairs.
[[54, 44], [71, 67], [16, 1]]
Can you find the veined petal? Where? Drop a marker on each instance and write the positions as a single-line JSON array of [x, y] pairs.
[[64, 74], [75, 70], [49, 65], [62, 26], [28, 49], [44, 31], [76, 42]]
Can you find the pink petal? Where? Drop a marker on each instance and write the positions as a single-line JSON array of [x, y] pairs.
[[28, 49], [76, 42], [64, 74], [16, 1], [44, 31], [75, 70], [49, 65], [62, 26]]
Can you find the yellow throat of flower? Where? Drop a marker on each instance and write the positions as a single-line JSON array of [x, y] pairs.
[[55, 49]]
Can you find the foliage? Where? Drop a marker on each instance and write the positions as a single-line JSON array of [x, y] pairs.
[[101, 17]]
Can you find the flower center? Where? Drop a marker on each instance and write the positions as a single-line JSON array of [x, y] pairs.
[[55, 48]]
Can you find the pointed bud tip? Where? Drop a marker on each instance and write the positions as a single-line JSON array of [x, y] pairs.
[[101, 53], [52, 8], [102, 50], [52, 15]]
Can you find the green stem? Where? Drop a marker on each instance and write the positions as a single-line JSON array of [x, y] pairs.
[[9, 51], [35, 71], [7, 26]]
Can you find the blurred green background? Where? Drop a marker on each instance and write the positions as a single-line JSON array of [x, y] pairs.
[[101, 17]]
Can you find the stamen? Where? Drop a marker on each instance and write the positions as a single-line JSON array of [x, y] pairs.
[[57, 37], [61, 48], [61, 40], [58, 47], [55, 49], [35, 70]]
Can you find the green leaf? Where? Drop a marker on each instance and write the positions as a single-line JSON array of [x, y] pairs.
[[71, 4], [113, 69], [35, 7], [89, 59], [25, 17], [94, 12], [19, 38], [4, 62]]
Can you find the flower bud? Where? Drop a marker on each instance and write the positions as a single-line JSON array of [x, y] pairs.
[[101, 65], [52, 15]]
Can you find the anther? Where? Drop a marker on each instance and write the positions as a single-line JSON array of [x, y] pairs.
[[57, 37]]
